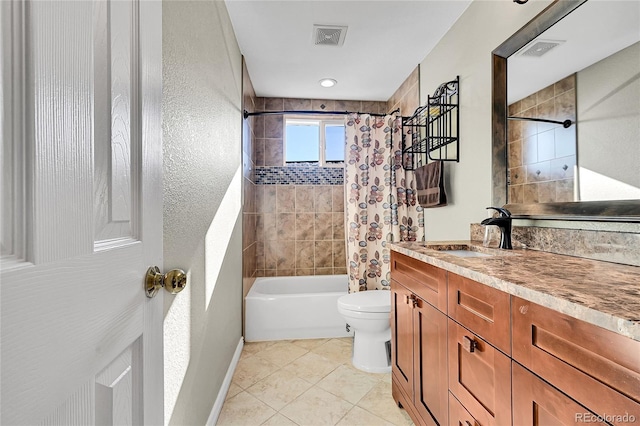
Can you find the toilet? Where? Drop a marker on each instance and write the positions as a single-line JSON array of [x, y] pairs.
[[367, 314]]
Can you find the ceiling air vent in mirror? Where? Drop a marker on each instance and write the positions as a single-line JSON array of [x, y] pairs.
[[538, 48], [329, 35]]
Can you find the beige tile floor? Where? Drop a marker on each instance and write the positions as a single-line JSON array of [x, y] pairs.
[[307, 382]]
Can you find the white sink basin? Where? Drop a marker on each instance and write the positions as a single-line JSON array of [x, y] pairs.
[[462, 249]]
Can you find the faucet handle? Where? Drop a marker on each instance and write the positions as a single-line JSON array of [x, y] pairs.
[[503, 212]]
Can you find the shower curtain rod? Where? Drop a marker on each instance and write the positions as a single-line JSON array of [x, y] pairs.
[[566, 123], [249, 114]]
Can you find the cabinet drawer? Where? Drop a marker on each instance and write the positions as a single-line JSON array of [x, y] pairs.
[[482, 309], [598, 368], [479, 376], [535, 402], [458, 416], [426, 281]]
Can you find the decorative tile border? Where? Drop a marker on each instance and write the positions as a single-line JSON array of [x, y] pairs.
[[299, 175]]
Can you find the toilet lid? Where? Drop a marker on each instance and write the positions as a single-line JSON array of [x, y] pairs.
[[367, 301]]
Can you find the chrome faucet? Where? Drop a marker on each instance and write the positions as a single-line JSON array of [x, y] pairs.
[[504, 223]]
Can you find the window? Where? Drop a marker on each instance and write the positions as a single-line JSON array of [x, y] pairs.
[[314, 141]]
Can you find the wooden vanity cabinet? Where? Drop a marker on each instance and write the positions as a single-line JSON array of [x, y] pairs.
[[506, 361], [402, 337], [419, 340], [426, 281], [479, 377], [537, 403], [482, 309], [458, 415], [479, 348], [597, 368], [430, 362]]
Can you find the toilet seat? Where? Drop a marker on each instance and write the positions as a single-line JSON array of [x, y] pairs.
[[376, 301]]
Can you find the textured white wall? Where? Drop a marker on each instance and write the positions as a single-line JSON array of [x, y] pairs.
[[202, 97], [609, 127], [466, 51]]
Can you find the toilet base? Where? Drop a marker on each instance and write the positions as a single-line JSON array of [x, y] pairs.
[[371, 352]]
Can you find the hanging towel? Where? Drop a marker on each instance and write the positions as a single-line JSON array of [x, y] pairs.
[[430, 185]]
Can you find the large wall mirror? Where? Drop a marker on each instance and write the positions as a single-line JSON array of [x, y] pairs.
[[580, 61]]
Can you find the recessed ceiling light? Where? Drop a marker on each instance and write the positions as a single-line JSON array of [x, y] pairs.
[[328, 82]]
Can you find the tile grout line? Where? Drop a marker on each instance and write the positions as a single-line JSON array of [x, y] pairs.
[[310, 350]]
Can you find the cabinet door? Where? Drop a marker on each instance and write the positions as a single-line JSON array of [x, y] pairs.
[[430, 362], [479, 376], [402, 336], [458, 416], [537, 403]]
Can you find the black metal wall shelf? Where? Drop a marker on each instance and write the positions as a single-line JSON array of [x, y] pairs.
[[431, 133]]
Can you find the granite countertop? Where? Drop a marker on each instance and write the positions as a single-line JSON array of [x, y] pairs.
[[601, 293]]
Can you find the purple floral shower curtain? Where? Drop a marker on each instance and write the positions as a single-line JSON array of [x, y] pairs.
[[380, 199]]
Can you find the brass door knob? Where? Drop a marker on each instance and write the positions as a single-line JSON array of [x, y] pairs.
[[173, 281]]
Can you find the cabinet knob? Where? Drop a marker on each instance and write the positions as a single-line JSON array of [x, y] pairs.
[[469, 344]]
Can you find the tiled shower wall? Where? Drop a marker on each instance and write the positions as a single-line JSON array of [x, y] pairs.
[[293, 216], [542, 156], [249, 241], [300, 209], [300, 230], [407, 97]]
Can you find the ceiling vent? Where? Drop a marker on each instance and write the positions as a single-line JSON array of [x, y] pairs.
[[329, 35], [538, 48]]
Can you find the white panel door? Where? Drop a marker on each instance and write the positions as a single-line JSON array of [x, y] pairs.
[[81, 205]]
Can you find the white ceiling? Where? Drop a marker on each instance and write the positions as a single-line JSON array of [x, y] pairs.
[[385, 41], [592, 32]]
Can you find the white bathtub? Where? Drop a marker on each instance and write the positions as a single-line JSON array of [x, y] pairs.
[[281, 308]]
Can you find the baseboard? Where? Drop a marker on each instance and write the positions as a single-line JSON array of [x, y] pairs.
[[222, 394]]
